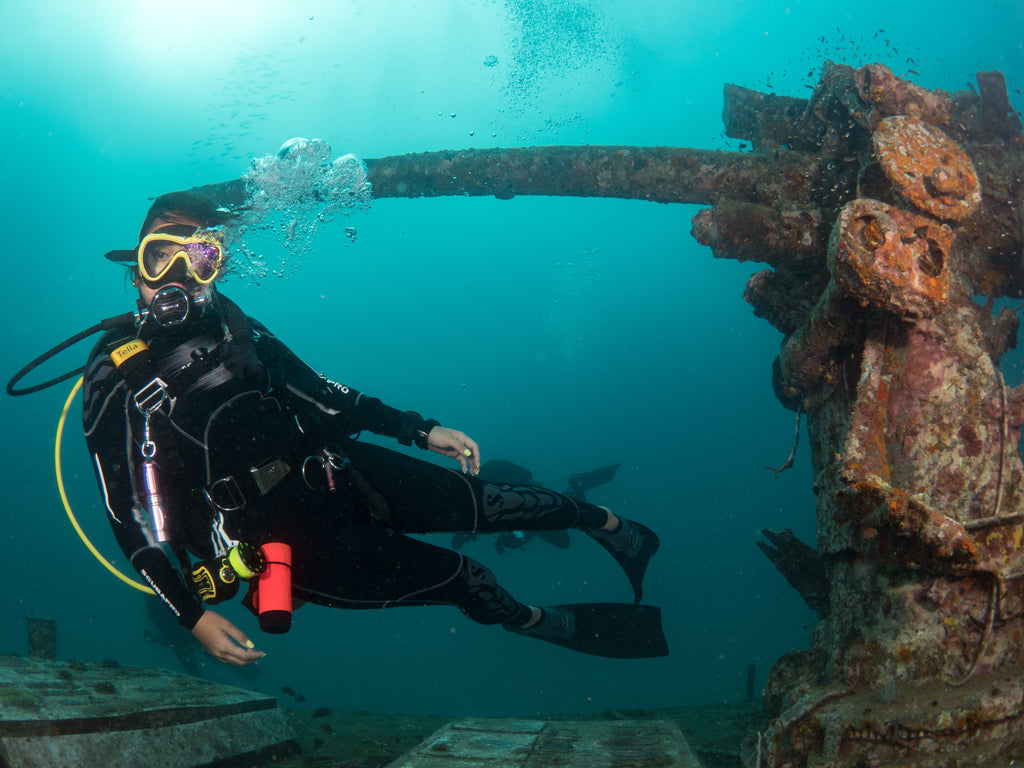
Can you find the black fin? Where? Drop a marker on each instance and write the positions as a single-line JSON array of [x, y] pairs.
[[558, 539], [612, 630], [632, 545], [459, 540], [584, 481]]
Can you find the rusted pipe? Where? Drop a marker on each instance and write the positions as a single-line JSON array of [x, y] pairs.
[[658, 174], [807, 358], [891, 95], [765, 119], [775, 234]]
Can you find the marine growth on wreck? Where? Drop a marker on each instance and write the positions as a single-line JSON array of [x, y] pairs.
[[891, 350]]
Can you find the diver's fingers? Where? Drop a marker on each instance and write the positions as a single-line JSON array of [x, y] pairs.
[[232, 653], [458, 445], [239, 657], [224, 641], [474, 458], [468, 452], [238, 635]]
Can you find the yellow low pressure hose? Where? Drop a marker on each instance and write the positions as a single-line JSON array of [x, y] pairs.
[[67, 507]]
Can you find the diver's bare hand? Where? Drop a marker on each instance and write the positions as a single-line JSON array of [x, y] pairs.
[[224, 641], [457, 445]]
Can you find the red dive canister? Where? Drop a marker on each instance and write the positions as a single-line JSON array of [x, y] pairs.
[[273, 598]]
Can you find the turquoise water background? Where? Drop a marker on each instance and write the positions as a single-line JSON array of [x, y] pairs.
[[562, 334]]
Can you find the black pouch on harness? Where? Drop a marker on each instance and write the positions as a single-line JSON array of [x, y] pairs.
[[332, 471], [252, 454]]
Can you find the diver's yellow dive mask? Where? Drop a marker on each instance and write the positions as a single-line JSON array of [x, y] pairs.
[[200, 254]]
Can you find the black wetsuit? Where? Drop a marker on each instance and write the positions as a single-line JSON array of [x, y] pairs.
[[242, 399]]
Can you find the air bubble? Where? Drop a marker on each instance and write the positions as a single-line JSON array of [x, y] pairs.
[[291, 196]]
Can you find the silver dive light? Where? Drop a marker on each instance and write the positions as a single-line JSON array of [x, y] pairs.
[[152, 499]]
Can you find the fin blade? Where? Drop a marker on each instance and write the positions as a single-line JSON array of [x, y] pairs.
[[558, 539], [595, 477], [611, 630]]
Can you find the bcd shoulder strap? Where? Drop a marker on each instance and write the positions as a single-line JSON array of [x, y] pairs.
[[150, 387]]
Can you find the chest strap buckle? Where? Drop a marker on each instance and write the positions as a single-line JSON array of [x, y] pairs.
[[149, 398]]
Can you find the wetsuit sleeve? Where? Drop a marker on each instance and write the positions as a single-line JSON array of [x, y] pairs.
[[108, 434], [349, 410]]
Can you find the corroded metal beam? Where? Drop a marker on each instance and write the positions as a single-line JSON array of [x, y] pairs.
[[658, 174], [914, 432]]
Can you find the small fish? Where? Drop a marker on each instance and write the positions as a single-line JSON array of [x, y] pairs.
[[287, 691], [322, 712], [327, 729], [300, 699]]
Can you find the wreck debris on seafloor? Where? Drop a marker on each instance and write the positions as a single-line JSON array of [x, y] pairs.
[[73, 713], [891, 220], [42, 637]]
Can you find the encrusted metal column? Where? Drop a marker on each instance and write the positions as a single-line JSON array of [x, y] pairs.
[[914, 439], [891, 218]]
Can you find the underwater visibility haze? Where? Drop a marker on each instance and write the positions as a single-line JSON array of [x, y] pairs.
[[562, 334]]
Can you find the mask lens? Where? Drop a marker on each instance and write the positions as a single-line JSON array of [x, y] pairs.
[[161, 255], [204, 258], [157, 258]]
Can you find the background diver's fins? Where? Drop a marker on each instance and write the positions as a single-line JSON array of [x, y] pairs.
[[614, 630], [558, 539], [580, 483]]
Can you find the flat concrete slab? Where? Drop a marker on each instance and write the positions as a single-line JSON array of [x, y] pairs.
[[80, 715], [500, 743]]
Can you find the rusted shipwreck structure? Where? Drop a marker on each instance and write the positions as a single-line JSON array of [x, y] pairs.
[[890, 218]]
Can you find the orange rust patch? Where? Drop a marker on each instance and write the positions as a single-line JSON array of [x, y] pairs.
[[927, 167], [891, 259]]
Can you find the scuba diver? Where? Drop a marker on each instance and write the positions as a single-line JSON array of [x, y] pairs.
[[507, 472], [223, 459]]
